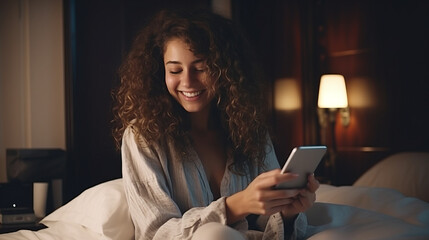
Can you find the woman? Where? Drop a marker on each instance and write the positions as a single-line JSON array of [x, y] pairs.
[[197, 159]]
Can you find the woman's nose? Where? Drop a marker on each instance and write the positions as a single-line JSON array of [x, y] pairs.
[[189, 78]]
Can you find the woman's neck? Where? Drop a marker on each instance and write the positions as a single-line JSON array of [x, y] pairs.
[[202, 121]]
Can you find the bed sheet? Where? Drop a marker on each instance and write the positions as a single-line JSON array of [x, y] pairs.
[[347, 212], [381, 200], [350, 212]]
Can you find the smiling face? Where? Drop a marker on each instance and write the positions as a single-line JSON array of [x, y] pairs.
[[186, 77]]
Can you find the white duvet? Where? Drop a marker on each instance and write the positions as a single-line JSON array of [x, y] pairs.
[[351, 212], [339, 213]]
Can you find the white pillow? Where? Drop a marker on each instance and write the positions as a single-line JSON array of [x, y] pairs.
[[102, 208], [406, 172]]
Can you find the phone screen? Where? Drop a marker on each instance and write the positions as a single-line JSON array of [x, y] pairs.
[[303, 161]]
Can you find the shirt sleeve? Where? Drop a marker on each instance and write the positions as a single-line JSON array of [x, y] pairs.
[[154, 213]]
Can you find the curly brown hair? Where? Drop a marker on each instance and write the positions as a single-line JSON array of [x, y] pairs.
[[142, 99]]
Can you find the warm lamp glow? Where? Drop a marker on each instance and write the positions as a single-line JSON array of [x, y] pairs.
[[287, 94], [332, 92]]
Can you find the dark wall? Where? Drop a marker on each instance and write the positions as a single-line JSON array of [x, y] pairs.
[[379, 46], [381, 49], [275, 28], [98, 34]]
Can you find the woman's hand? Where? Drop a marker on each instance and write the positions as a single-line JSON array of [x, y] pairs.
[[261, 198], [303, 201]]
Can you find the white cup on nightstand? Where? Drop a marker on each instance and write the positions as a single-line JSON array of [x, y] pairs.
[[40, 195]]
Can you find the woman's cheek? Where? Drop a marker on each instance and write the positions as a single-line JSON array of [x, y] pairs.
[[171, 84]]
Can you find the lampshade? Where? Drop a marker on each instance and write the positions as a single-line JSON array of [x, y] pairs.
[[332, 92]]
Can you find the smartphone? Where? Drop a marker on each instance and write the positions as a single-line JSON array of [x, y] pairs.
[[302, 160]]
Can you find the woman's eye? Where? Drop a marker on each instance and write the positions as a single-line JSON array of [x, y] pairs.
[[201, 69], [175, 71]]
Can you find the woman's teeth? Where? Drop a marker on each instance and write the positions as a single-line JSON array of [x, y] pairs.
[[192, 94]]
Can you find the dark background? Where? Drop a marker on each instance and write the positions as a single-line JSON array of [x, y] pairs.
[[381, 47]]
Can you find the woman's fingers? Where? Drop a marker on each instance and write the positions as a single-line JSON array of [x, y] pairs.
[[312, 184], [265, 199], [304, 200], [273, 206], [272, 178], [273, 194]]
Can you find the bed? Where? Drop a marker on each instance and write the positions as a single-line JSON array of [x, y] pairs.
[[375, 207]]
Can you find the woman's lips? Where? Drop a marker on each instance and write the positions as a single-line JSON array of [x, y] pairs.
[[191, 94]]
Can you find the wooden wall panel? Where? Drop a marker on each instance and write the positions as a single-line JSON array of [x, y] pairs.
[[381, 49]]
